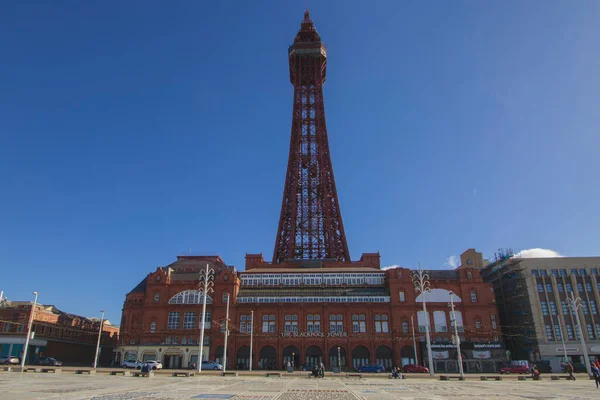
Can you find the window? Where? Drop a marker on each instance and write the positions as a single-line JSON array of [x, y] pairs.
[[439, 321], [553, 307], [569, 287], [168, 340], [359, 323], [175, 340], [271, 323], [580, 287], [590, 330], [184, 340], [291, 323], [493, 318], [549, 333], [405, 326], [557, 332], [224, 297], [574, 271], [560, 287], [577, 331], [381, 323], [156, 297], [549, 287], [313, 323], [588, 286], [569, 332], [593, 307], [535, 272], [562, 272], [399, 274], [473, 297], [190, 297], [469, 275], [477, 324], [544, 308], [340, 323], [153, 327], [173, 321], [555, 272], [540, 287], [585, 308], [265, 324], [402, 297], [582, 272], [189, 320]]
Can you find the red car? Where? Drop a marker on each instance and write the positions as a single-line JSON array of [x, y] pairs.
[[515, 369], [415, 368]]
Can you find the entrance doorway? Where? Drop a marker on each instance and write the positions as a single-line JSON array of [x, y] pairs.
[[172, 361], [360, 356], [267, 358], [407, 355], [291, 354], [383, 356], [314, 356], [243, 358], [333, 358]]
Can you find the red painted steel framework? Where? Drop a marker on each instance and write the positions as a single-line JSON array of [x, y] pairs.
[[310, 225]]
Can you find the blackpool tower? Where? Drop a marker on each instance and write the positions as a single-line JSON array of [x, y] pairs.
[[310, 224]]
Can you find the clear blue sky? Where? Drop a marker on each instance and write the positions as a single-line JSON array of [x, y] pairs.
[[133, 131]]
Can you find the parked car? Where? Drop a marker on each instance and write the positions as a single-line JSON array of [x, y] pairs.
[[49, 361], [132, 364], [371, 368], [9, 360], [211, 365], [154, 364], [415, 368], [515, 369]]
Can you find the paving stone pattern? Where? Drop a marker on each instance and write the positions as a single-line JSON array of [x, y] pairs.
[[161, 387]]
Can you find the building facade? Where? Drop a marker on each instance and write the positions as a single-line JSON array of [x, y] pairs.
[[67, 337], [538, 324], [345, 314]]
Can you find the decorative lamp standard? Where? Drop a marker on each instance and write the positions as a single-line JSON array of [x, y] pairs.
[[456, 337], [251, 336], [575, 304], [206, 283], [421, 281], [29, 330], [226, 335], [339, 361], [99, 336]]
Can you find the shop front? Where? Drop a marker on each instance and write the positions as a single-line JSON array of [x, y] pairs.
[[477, 357]]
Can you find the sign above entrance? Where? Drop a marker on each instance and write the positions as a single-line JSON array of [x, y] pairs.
[[314, 334]]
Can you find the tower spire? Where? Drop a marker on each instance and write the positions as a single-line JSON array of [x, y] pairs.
[[310, 224]]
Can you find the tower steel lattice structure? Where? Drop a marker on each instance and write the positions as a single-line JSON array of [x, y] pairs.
[[310, 224]]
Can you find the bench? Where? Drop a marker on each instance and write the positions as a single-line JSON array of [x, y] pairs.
[[485, 378], [86, 371], [559, 377], [268, 374], [55, 370], [352, 375], [448, 377], [31, 369], [229, 373], [143, 374], [121, 371], [7, 369], [183, 373]]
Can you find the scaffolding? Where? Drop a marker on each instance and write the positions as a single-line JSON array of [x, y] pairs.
[[509, 277]]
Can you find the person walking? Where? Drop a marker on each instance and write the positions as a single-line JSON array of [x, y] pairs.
[[596, 374], [569, 370]]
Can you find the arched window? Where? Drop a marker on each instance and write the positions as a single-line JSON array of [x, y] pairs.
[[153, 327], [190, 297], [405, 326]]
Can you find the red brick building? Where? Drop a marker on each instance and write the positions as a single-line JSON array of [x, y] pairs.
[[67, 337], [305, 310]]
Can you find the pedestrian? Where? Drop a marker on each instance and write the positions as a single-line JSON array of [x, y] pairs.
[[532, 370], [569, 370], [596, 374], [597, 364], [322, 369], [395, 372]]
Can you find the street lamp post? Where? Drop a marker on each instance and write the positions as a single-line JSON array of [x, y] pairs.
[[30, 323], [99, 336], [575, 303], [421, 281], [226, 335], [457, 338], [251, 336], [339, 361], [206, 284]]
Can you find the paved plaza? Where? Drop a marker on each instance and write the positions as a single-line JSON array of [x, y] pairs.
[[25, 386]]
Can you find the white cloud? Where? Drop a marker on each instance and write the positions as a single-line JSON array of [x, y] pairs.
[[390, 267], [452, 262], [538, 253]]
